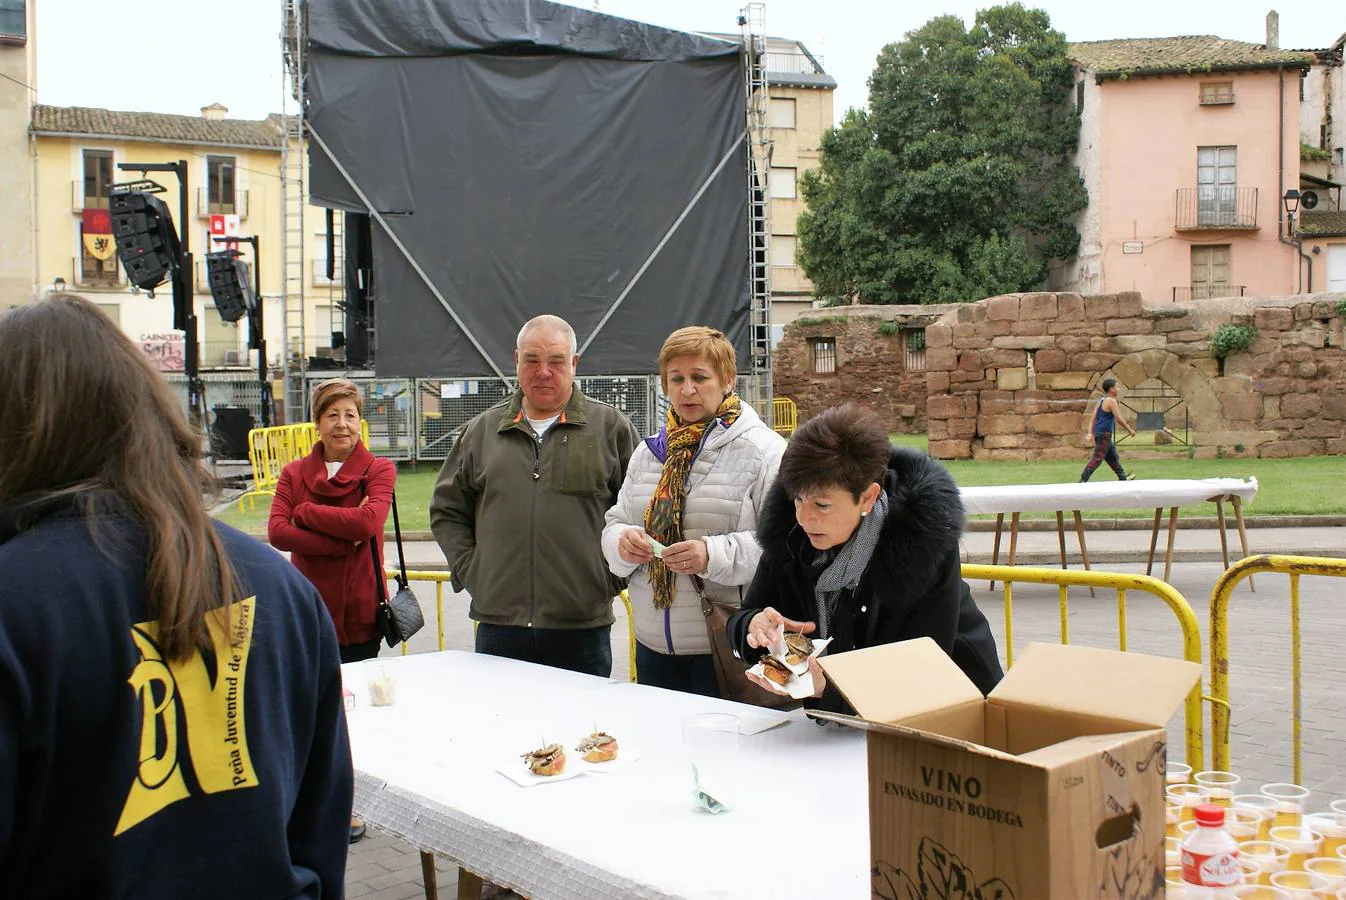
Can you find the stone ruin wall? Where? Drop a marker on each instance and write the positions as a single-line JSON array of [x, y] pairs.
[[1011, 377]]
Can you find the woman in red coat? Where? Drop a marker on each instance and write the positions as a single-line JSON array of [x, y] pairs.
[[328, 507]]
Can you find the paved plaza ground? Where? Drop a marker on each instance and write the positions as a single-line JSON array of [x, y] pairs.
[[384, 867]]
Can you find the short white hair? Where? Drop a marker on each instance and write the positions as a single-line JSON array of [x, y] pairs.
[[549, 323]]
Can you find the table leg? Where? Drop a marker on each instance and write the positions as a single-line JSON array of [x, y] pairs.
[[1172, 532], [1084, 551], [1154, 540], [469, 885], [1014, 538], [1219, 520], [1243, 533], [1061, 536], [995, 547], [428, 875]]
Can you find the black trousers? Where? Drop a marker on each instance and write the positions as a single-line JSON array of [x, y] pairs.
[[1104, 451], [587, 650]]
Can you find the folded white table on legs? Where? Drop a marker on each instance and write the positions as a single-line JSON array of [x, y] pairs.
[[1076, 496]]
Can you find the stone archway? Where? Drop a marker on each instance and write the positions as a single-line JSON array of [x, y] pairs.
[[1191, 384]]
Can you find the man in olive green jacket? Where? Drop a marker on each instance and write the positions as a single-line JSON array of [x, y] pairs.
[[518, 510]]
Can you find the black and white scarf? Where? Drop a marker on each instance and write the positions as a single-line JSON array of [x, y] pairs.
[[848, 566]]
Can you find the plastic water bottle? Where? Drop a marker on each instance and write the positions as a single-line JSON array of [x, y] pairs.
[[1210, 857]]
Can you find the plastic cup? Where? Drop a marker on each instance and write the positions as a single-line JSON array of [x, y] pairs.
[[383, 690], [1265, 809], [1331, 868], [1270, 856], [1172, 852], [1185, 829], [1300, 885], [1177, 773], [711, 740], [1304, 844], [1190, 796], [1221, 785], [1175, 888], [1332, 826], [1260, 892], [1291, 800], [1243, 824], [1338, 806], [1172, 816]]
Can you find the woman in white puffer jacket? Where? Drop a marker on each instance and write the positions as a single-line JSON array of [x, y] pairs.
[[696, 488]]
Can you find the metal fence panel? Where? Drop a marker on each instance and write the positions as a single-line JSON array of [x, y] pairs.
[[445, 405], [388, 410], [221, 389], [420, 418]]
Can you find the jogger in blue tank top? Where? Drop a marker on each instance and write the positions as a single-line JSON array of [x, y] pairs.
[[1107, 415]]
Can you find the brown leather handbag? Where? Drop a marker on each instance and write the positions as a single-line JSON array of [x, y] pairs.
[[730, 671]]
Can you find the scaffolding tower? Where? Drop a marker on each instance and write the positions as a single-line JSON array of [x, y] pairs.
[[752, 25], [294, 349]]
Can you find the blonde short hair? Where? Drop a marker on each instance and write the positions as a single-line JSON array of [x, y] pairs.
[[709, 344], [328, 392]]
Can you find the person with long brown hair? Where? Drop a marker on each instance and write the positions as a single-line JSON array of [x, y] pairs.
[[170, 693]]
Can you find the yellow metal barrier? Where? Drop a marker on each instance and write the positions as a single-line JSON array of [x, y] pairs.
[[1294, 566], [271, 449], [784, 415], [1065, 578], [441, 577]]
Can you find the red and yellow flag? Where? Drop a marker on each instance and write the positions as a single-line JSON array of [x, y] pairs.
[[98, 234]]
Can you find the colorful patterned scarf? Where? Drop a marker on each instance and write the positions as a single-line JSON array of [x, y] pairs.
[[663, 517]]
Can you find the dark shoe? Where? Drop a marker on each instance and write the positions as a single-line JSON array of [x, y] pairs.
[[357, 831]]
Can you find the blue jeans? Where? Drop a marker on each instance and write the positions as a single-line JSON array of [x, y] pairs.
[[692, 674], [587, 650]]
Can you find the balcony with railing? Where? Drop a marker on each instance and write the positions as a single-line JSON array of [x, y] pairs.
[[319, 270], [1219, 207], [1206, 291], [205, 207], [80, 199], [88, 272]]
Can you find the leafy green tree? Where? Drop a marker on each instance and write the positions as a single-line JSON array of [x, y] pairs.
[[957, 182]]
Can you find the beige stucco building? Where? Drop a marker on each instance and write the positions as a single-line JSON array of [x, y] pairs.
[[17, 89], [1187, 146], [233, 169], [799, 112]]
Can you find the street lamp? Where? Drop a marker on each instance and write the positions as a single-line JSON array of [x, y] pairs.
[[1291, 203]]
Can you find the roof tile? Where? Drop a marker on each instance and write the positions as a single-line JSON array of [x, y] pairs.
[[1189, 54], [264, 133]]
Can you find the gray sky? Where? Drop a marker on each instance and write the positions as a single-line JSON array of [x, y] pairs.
[[200, 53]]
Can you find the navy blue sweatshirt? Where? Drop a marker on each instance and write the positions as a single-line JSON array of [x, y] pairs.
[[121, 775]]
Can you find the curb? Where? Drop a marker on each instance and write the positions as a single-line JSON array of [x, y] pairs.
[[1052, 559], [1205, 522]]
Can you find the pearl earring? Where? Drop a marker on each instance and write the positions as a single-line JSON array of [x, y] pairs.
[[863, 513]]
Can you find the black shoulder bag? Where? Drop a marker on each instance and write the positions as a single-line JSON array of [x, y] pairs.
[[399, 618]]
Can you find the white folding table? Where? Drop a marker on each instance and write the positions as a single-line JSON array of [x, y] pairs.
[[426, 771], [1076, 496]]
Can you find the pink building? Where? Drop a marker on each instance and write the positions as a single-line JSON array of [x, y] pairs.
[[1187, 146]]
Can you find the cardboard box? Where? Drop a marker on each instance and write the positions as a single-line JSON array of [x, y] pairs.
[[1051, 787]]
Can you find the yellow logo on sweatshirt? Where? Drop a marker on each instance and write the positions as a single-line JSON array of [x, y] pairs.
[[199, 699]]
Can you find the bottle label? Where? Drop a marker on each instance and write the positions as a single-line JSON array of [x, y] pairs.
[[1211, 870]]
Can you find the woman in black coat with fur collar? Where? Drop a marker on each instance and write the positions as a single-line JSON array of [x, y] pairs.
[[860, 544]]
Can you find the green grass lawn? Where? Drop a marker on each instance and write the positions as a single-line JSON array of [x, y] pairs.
[[1305, 486]]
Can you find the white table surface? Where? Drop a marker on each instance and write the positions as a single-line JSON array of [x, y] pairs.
[[1104, 493], [425, 769]]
